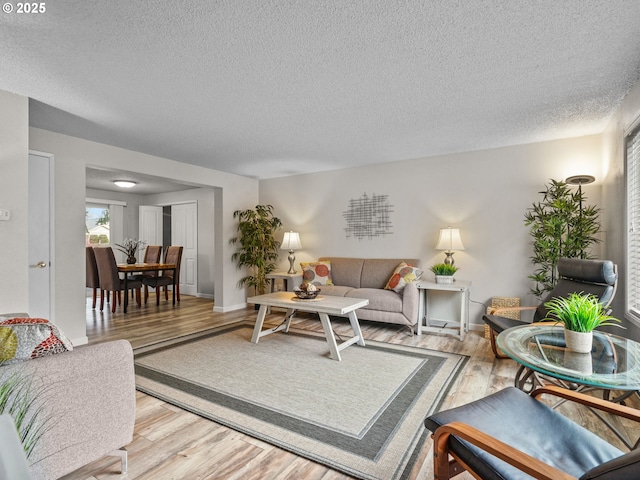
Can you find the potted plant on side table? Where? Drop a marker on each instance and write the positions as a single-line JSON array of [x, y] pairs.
[[444, 272], [580, 314]]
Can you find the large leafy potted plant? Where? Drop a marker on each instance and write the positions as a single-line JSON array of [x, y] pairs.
[[257, 245], [580, 314], [560, 226]]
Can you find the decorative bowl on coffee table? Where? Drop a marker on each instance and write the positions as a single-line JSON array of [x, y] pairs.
[[306, 294]]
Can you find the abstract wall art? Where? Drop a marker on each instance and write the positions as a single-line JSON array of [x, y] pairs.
[[368, 217]]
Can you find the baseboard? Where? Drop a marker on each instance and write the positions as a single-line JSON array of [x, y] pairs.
[[229, 309], [79, 341], [205, 295]]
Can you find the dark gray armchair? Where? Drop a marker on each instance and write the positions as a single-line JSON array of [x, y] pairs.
[[595, 277], [512, 435]]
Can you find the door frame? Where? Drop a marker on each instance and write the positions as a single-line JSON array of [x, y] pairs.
[[52, 263]]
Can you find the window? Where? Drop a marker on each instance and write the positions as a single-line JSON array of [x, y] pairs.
[[633, 219], [97, 220]]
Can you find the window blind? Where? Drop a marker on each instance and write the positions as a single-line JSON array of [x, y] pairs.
[[633, 219]]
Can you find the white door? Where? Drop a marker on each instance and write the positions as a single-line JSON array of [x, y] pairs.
[[149, 227], [184, 232], [40, 221]]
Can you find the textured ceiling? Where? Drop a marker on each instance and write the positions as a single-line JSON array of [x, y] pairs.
[[268, 88]]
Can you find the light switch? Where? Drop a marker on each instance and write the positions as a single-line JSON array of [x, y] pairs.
[[5, 215]]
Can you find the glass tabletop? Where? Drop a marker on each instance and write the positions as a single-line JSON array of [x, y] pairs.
[[614, 362]]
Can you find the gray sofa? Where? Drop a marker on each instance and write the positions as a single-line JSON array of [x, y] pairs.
[[90, 398], [366, 278]]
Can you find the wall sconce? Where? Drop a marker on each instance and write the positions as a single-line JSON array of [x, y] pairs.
[[291, 242], [449, 240]]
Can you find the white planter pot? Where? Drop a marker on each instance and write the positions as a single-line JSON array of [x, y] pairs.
[[444, 278], [580, 362], [580, 342]]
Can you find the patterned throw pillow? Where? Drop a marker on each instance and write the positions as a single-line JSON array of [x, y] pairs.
[[317, 273], [403, 274], [26, 338]]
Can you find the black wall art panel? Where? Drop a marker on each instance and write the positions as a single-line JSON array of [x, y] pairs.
[[368, 217]]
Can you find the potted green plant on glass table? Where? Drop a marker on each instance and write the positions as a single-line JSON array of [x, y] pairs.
[[580, 314]]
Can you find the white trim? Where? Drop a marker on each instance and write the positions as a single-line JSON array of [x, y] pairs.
[[52, 231], [104, 201], [229, 309], [205, 295], [169, 204], [632, 125]]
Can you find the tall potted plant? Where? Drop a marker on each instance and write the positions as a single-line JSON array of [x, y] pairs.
[[257, 245], [560, 227]]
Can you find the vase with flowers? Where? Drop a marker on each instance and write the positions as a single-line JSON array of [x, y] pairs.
[[130, 247]]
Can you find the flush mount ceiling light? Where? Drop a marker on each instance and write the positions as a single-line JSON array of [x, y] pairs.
[[124, 183]]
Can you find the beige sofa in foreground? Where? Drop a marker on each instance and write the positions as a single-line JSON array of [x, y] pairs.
[[366, 278], [90, 398]]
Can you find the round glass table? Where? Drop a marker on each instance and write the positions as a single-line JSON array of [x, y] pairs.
[[613, 364]]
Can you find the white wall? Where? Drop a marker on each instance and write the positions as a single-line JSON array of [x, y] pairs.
[[72, 156], [14, 181], [614, 195], [205, 197], [484, 193]]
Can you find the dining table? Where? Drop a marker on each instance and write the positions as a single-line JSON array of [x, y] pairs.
[[128, 268]]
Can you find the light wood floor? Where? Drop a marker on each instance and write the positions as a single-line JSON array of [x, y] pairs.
[[170, 443]]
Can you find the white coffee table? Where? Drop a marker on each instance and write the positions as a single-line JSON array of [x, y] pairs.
[[323, 306]]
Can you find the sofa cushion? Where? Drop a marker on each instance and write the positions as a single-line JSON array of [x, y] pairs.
[[403, 274], [345, 271], [26, 338], [335, 290], [317, 273], [379, 299]]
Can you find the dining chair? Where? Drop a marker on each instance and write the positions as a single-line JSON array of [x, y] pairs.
[[110, 280], [152, 254], [173, 255], [93, 281]]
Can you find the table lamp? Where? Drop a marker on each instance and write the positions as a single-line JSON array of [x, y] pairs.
[[449, 240], [291, 242]]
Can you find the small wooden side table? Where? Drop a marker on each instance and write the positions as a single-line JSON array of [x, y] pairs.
[[459, 290], [290, 280]]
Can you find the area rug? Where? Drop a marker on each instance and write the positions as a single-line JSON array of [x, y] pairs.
[[362, 416]]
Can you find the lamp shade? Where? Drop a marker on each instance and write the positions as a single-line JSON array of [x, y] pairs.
[[449, 239], [291, 241]]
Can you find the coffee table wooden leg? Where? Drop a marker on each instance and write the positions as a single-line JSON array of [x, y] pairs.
[[259, 322], [289, 314], [331, 339], [353, 319]]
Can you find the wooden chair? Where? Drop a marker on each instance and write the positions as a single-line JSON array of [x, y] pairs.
[[110, 280], [152, 254], [513, 435], [173, 255], [595, 277], [93, 281]]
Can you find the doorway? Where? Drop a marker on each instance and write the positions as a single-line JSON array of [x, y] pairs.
[[175, 224], [41, 221]]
